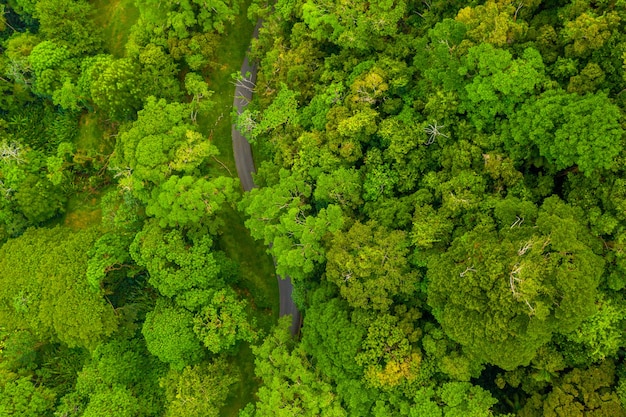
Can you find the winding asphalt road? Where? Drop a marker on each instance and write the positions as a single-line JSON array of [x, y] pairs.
[[245, 169]]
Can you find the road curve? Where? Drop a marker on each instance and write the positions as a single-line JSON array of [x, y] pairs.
[[245, 169]]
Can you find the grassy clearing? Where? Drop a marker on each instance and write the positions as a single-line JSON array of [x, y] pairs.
[[242, 393], [115, 17]]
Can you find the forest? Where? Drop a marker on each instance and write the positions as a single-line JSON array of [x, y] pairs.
[[443, 181]]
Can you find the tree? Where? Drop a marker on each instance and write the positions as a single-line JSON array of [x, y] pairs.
[[200, 390], [331, 338], [495, 22], [119, 378], [68, 22], [352, 25], [280, 114], [19, 396], [452, 399], [38, 199], [369, 265], [588, 32], [160, 143], [116, 401], [502, 294], [114, 85], [499, 83], [598, 337], [108, 254], [188, 200], [43, 288], [199, 90], [159, 72], [279, 215], [387, 354], [568, 129], [223, 322], [290, 387], [175, 263], [578, 393], [342, 186], [183, 17], [51, 65], [169, 335]]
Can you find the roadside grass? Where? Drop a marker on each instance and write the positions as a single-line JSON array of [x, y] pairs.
[[243, 392], [230, 55], [115, 17], [257, 276]]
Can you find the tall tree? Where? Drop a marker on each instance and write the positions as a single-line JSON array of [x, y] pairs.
[[43, 288], [502, 293]]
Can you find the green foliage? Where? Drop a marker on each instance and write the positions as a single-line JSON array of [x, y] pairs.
[[499, 83], [120, 378], [114, 86], [49, 63], [43, 288], [20, 396], [185, 201], [109, 254], [569, 130], [183, 17], [198, 391], [463, 399], [279, 215], [441, 179], [38, 199], [160, 143], [169, 335], [176, 263], [290, 386], [223, 322], [331, 338], [600, 335], [369, 265], [68, 22], [501, 294], [580, 392], [116, 401]]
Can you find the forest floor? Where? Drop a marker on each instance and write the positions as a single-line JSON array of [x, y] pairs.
[[257, 276]]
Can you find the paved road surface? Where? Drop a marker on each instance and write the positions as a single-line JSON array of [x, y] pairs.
[[245, 168]]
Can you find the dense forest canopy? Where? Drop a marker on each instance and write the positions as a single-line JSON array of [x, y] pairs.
[[443, 181]]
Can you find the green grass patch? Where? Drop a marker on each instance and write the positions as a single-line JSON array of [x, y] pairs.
[[115, 17], [257, 275], [83, 211], [93, 138], [242, 393]]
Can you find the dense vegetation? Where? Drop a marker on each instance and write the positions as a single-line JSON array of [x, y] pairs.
[[443, 181]]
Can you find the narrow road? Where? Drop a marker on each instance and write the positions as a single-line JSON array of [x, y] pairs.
[[245, 169]]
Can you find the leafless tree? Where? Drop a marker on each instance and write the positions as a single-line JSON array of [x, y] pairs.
[[433, 131]]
